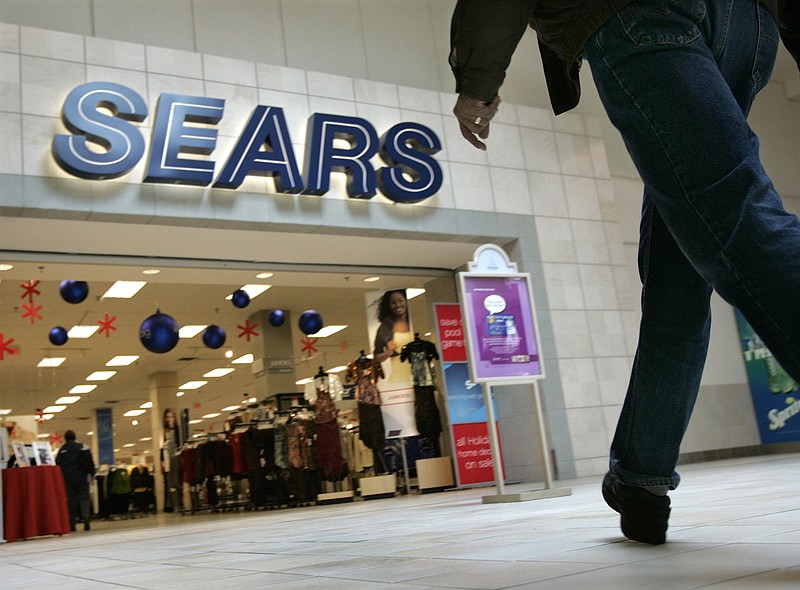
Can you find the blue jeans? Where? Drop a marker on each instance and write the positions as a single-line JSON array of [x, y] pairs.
[[677, 78]]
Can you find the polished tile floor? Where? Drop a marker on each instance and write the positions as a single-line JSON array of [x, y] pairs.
[[735, 525]]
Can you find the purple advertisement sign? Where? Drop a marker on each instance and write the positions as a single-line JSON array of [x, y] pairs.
[[501, 330]]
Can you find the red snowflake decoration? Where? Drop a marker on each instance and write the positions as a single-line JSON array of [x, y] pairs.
[[30, 290], [309, 346], [56, 439], [32, 312], [248, 329], [5, 347], [107, 325]]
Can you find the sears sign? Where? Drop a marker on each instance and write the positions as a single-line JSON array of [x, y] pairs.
[[105, 113]]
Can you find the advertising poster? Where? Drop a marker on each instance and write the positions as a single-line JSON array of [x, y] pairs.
[[450, 328], [470, 434], [390, 329], [776, 400], [501, 336]]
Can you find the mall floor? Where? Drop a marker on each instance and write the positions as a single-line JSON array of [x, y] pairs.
[[735, 525]]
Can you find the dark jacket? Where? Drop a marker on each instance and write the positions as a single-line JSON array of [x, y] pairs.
[[485, 33], [75, 460]]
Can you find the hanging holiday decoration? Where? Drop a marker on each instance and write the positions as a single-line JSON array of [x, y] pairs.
[[107, 325], [240, 298], [32, 312], [310, 322], [74, 291], [159, 333], [213, 336], [309, 346], [5, 347], [248, 329], [30, 290], [276, 318], [56, 439], [58, 336], [39, 416]]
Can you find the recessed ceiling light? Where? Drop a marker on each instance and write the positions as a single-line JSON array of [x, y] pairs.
[[264, 275], [54, 361], [219, 372], [42, 435], [190, 331], [68, 399], [328, 331], [122, 360], [132, 413], [129, 445], [230, 408], [146, 438], [5, 412], [6, 267], [180, 394], [414, 292], [252, 290], [195, 421], [338, 369], [212, 415], [54, 409], [372, 279], [228, 354], [83, 389], [193, 384], [151, 271], [245, 359], [90, 433], [146, 405], [82, 331], [101, 375], [252, 400], [124, 289], [135, 422]]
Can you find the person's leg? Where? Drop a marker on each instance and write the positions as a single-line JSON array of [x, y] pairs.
[[72, 504], [82, 501]]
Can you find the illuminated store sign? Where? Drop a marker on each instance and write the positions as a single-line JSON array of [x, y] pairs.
[[105, 113]]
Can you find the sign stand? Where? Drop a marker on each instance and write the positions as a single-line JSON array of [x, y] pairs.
[[504, 349]]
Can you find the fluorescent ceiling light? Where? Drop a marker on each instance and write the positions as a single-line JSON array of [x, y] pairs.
[[124, 289], [180, 394], [132, 413], [219, 372], [90, 433], [252, 290], [230, 408], [123, 360], [328, 331], [372, 279], [42, 435], [101, 375], [414, 292], [4, 412], [54, 409], [48, 416], [51, 361], [245, 359], [68, 399], [129, 445], [195, 421], [83, 389], [304, 381], [338, 369], [82, 331], [211, 415], [146, 438], [151, 271], [146, 405], [190, 331], [6, 267], [193, 384], [252, 400], [264, 275]]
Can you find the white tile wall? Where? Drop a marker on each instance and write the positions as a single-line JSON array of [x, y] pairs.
[[115, 54], [281, 78], [9, 38], [52, 44], [10, 143], [539, 147], [581, 196], [9, 82], [579, 382], [417, 99], [45, 83], [599, 290], [230, 71], [563, 283], [174, 62], [547, 194], [574, 154], [510, 188]]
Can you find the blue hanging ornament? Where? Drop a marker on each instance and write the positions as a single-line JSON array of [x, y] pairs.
[[58, 336], [74, 291], [310, 322], [159, 333], [214, 336], [240, 298], [276, 318]]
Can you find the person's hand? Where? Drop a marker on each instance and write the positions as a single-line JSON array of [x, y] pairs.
[[474, 116]]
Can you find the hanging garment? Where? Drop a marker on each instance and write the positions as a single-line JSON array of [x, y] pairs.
[[370, 426], [365, 373], [328, 450], [426, 412], [421, 354]]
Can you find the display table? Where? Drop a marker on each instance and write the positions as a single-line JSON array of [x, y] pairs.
[[34, 502]]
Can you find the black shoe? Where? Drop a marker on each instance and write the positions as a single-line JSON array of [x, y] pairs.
[[643, 516], [87, 526]]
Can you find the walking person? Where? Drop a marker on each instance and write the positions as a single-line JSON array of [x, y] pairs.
[[77, 466], [677, 78]]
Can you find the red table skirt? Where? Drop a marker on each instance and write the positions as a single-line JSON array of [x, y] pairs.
[[34, 502]]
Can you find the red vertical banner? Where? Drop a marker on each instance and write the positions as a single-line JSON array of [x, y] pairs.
[[473, 453], [450, 327]]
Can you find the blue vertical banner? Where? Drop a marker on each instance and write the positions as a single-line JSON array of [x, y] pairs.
[[104, 430], [776, 399]]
